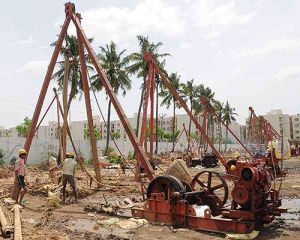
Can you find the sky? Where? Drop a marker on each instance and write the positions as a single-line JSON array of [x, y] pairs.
[[246, 51]]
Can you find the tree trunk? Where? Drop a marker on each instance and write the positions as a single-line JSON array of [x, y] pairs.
[[140, 107], [173, 127], [226, 138], [107, 128], [190, 126]]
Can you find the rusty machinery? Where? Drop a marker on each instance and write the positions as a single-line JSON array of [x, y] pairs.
[[260, 130], [200, 204]]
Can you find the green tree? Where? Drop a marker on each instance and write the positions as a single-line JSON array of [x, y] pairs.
[[24, 127], [140, 67], [1, 157], [86, 133], [115, 135], [168, 99], [188, 92], [208, 119], [71, 52], [114, 64], [228, 117]]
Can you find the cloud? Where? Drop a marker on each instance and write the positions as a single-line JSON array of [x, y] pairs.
[[185, 45], [288, 73], [33, 66], [271, 47], [123, 23], [217, 19], [29, 40]]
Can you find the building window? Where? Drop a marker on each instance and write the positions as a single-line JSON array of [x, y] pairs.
[[297, 119], [297, 131], [297, 125]]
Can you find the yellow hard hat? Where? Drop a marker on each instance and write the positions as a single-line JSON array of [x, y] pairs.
[[22, 151], [70, 154]]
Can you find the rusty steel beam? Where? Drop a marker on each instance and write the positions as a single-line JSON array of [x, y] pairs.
[[211, 110], [43, 117], [62, 113], [87, 98], [151, 121], [145, 107], [60, 139], [65, 102], [109, 90], [148, 57], [69, 10]]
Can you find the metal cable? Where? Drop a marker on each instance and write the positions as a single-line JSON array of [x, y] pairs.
[[108, 130]]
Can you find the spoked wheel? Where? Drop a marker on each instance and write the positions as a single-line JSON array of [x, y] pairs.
[[215, 187]]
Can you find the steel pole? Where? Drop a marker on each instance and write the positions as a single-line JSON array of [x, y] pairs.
[[87, 98], [149, 58]]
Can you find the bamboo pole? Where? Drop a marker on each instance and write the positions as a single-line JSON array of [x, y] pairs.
[[6, 230], [17, 223]]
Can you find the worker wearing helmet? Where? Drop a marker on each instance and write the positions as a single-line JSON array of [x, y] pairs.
[[68, 174], [20, 186]]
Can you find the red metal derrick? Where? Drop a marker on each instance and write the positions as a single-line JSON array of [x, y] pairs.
[[260, 130], [197, 204]]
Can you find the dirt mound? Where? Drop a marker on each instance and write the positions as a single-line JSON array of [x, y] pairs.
[[6, 172]]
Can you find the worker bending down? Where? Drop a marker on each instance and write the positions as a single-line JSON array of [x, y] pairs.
[[68, 174], [20, 186]]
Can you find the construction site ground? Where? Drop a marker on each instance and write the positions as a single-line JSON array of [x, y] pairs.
[[97, 216]]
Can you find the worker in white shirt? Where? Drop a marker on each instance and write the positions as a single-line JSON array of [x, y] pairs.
[[68, 174]]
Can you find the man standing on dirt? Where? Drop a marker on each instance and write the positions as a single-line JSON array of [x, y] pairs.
[[68, 174], [19, 186]]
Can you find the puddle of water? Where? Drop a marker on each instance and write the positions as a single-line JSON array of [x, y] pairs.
[[82, 225], [86, 225], [293, 211], [292, 205]]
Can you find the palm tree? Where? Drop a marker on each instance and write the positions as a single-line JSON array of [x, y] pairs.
[[188, 92], [71, 51], [141, 67], [114, 64], [228, 117], [168, 99]]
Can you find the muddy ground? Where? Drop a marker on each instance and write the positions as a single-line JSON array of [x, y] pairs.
[[94, 216]]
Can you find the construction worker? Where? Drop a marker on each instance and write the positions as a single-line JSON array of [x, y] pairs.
[[68, 174], [20, 186]]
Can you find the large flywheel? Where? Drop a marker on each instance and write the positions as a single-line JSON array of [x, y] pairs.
[[165, 184], [214, 185]]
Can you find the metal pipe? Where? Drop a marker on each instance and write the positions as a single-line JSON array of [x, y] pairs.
[[6, 230], [17, 223], [88, 106], [148, 57], [47, 110], [212, 111], [65, 101], [151, 124]]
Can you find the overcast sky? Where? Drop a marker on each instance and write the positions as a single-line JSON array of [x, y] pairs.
[[246, 51]]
